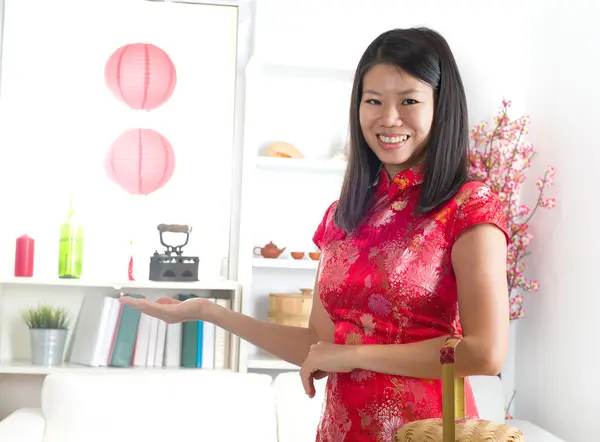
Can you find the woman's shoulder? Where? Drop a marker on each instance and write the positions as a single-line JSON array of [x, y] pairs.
[[475, 203], [327, 230], [474, 193], [476, 188]]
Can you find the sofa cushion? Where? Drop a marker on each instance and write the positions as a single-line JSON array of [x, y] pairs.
[[127, 405]]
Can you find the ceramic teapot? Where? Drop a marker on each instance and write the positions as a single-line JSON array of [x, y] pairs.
[[269, 251]]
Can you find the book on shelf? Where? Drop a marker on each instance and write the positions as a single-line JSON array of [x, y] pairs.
[[108, 333]]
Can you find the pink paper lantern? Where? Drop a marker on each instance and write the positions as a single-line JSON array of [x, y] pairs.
[[141, 75], [141, 161]]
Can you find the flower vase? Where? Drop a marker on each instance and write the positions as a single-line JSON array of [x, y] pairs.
[[47, 346]]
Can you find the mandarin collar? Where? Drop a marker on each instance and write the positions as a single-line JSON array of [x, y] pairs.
[[401, 181]]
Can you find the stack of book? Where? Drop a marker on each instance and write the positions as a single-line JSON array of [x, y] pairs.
[[109, 333]]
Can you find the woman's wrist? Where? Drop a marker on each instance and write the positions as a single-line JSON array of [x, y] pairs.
[[353, 355], [209, 311]]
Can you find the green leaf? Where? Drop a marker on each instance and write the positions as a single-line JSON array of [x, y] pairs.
[[46, 317]]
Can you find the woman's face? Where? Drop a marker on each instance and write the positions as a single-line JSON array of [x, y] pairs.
[[396, 114]]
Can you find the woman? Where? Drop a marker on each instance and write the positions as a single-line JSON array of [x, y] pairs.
[[410, 243]]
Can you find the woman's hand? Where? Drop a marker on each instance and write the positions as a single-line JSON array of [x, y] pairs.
[[171, 310], [324, 358]]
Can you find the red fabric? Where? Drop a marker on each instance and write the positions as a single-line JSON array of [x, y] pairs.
[[391, 282]]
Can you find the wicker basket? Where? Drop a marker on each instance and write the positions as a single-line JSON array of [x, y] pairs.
[[453, 427], [290, 308]]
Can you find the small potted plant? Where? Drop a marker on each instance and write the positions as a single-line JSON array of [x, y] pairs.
[[48, 327]]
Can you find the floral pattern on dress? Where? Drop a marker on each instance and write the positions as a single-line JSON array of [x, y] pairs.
[[391, 282]]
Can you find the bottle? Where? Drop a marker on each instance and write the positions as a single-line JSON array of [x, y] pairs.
[[70, 259], [130, 267], [24, 252]]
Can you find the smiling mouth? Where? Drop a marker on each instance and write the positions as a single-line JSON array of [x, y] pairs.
[[392, 142]]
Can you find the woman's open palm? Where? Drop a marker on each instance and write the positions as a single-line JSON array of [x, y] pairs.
[[168, 309]]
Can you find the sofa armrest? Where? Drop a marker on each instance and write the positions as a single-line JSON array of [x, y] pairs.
[[24, 425], [532, 432]]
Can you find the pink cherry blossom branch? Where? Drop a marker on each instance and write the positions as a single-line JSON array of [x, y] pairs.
[[500, 159]]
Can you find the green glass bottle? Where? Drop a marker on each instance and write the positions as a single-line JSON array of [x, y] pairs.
[[70, 258]]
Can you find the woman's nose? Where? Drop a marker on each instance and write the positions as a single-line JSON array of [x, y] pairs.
[[390, 116]]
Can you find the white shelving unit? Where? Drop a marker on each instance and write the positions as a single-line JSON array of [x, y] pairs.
[[17, 294], [268, 362], [129, 286], [285, 263], [283, 199]]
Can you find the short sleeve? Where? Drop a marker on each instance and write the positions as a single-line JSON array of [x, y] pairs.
[[326, 229], [476, 204]]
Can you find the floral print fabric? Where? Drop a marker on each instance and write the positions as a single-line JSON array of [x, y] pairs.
[[391, 282]]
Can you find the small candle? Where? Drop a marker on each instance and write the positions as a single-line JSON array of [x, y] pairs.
[[24, 252]]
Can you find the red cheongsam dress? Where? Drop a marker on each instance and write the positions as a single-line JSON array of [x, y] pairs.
[[391, 282]]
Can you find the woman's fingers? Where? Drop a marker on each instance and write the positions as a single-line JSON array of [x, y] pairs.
[[167, 309], [161, 311], [139, 304], [319, 374], [168, 301]]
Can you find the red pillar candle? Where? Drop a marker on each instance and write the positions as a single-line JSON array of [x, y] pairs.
[[24, 256]]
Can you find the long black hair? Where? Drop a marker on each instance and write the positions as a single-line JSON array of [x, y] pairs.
[[425, 55]]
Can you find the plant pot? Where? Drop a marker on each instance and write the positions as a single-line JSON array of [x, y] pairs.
[[47, 346]]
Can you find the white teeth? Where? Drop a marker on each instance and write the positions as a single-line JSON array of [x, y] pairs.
[[392, 140]]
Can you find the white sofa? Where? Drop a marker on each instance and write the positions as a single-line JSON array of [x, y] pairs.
[[186, 405]]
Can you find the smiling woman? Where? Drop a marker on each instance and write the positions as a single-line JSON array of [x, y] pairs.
[[410, 243]]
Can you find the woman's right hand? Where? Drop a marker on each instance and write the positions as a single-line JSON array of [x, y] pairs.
[[171, 310]]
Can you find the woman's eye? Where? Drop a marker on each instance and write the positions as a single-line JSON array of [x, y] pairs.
[[409, 101], [372, 101]]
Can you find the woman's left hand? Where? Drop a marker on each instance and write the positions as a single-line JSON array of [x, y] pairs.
[[324, 358]]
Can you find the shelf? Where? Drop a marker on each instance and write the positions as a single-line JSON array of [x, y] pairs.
[[268, 362], [123, 285], [300, 164], [282, 263], [26, 367]]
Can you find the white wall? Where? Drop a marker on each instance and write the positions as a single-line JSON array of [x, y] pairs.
[[557, 376]]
